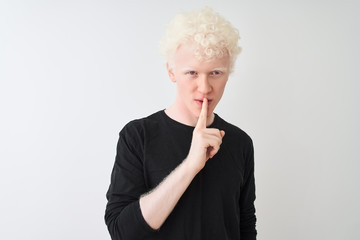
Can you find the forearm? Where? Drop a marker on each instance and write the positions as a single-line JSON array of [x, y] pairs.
[[248, 223], [158, 203], [126, 222], [247, 207]]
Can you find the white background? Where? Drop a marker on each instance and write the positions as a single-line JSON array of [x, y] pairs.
[[72, 73]]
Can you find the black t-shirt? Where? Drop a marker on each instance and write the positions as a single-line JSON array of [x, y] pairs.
[[219, 202]]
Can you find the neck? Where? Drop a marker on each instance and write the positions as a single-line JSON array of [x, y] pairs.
[[186, 118]]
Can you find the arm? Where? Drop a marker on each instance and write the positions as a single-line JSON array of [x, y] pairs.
[[247, 198], [123, 216], [158, 204], [131, 214]]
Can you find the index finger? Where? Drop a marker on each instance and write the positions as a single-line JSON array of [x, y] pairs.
[[201, 123]]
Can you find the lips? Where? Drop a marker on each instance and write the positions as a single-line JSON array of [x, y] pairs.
[[200, 101]]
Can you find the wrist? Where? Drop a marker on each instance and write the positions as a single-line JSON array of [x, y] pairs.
[[191, 167]]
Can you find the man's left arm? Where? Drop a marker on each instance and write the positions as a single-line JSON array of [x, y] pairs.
[[247, 198]]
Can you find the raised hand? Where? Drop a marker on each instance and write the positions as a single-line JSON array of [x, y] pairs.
[[205, 141], [159, 202]]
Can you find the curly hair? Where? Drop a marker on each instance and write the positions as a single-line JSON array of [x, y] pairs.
[[212, 35]]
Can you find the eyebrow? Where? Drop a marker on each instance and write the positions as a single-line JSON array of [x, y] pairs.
[[221, 69], [187, 69]]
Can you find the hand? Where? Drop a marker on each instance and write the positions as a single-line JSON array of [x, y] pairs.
[[205, 141]]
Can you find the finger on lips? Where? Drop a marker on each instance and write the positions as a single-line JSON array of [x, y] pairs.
[[203, 115], [202, 120]]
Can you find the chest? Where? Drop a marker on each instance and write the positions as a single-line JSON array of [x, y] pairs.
[[224, 173]]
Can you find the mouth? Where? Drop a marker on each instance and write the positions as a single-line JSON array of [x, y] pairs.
[[200, 101]]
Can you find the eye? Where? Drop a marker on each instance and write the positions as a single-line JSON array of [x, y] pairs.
[[191, 73], [215, 73]]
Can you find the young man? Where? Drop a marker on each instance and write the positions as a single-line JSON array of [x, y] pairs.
[[185, 173]]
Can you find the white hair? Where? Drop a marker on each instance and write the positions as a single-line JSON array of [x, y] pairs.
[[212, 35]]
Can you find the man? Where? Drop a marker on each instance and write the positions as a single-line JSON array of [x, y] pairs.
[[185, 173]]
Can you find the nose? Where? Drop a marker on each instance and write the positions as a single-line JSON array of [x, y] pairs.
[[204, 85]]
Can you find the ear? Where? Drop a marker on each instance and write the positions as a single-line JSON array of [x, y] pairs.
[[170, 72]]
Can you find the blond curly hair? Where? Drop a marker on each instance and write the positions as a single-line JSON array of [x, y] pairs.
[[212, 35]]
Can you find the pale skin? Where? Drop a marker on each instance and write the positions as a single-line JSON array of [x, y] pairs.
[[195, 81], [200, 86]]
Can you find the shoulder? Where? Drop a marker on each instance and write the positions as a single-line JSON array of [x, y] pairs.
[[234, 135], [136, 132], [232, 129], [139, 126]]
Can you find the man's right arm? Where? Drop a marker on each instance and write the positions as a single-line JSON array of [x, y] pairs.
[[158, 204], [126, 214]]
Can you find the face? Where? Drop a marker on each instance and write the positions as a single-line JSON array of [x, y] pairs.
[[197, 80]]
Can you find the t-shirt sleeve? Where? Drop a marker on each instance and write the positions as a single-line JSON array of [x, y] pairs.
[[123, 215], [247, 198]]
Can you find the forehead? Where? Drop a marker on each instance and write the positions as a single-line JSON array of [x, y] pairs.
[[185, 57]]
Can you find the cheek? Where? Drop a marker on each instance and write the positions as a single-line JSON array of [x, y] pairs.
[[220, 87], [185, 87]]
